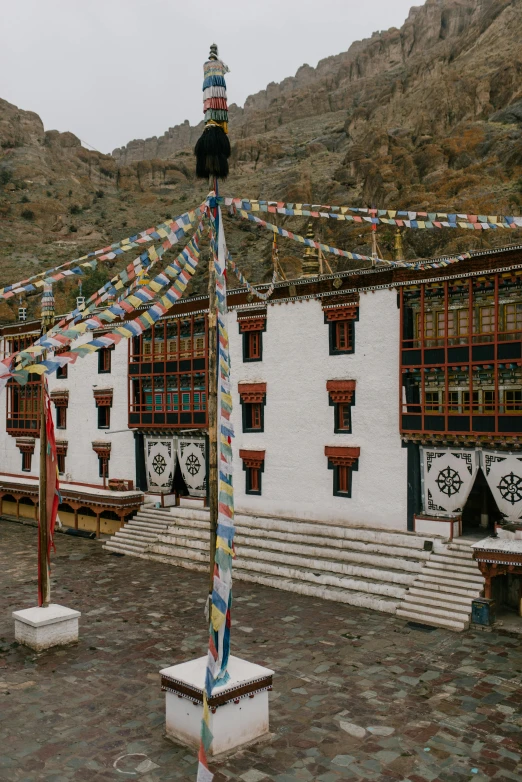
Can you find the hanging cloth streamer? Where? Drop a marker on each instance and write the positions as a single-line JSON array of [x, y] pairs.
[[503, 473], [448, 475]]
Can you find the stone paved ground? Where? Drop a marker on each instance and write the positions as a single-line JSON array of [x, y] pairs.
[[357, 696]]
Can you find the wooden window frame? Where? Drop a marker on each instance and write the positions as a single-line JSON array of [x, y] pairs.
[[473, 361], [103, 459], [60, 458], [251, 326], [341, 316], [27, 457], [61, 417], [254, 466], [104, 411], [341, 396], [62, 373], [105, 360], [169, 389], [343, 461], [253, 399]]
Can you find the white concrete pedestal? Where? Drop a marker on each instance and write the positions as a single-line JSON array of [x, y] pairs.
[[238, 709], [42, 628]]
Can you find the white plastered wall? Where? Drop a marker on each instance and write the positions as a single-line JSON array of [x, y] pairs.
[[299, 422], [81, 462]]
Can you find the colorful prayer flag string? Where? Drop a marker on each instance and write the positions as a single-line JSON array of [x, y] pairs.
[[242, 279], [157, 233], [418, 265], [181, 271], [400, 218]]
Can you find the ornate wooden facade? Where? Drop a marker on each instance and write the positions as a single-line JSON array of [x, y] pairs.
[[168, 367]]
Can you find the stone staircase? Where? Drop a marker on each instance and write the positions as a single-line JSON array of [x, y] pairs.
[[361, 567], [369, 568], [442, 592]]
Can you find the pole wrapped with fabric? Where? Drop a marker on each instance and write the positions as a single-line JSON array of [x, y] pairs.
[[212, 149]]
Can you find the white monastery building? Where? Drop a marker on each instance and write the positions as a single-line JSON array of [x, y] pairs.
[[378, 421]]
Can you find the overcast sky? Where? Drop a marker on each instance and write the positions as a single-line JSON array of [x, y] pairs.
[[114, 70]]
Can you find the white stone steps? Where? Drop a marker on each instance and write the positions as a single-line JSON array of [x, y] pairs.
[[446, 585], [436, 595], [457, 572], [314, 529], [452, 561], [414, 600], [359, 599], [439, 613], [128, 548], [433, 621], [248, 555], [257, 547], [284, 570], [136, 535]]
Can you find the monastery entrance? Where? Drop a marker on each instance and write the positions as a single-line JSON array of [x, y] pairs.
[[480, 511]]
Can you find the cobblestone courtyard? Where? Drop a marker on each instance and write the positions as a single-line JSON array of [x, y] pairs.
[[357, 695]]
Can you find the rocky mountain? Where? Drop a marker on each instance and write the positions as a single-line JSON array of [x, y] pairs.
[[426, 116]]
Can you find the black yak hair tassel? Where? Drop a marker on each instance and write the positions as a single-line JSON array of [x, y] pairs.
[[212, 149], [212, 152]]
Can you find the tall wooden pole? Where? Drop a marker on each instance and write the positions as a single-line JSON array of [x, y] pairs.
[[44, 584], [212, 416]]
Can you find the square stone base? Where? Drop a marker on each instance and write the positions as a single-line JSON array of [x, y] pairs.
[[238, 709], [42, 628]]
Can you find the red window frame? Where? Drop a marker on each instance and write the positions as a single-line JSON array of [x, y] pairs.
[[61, 417], [26, 461], [473, 343]]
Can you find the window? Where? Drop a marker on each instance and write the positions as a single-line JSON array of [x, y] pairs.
[[433, 401], [61, 462], [253, 465], [486, 320], [26, 461], [23, 406], [465, 401], [103, 466], [253, 399], [61, 372], [253, 480], [61, 417], [253, 417], [341, 320], [343, 461], [344, 418], [512, 401], [341, 394], [489, 401], [168, 374], [513, 317], [104, 417], [104, 360], [253, 346], [453, 401]]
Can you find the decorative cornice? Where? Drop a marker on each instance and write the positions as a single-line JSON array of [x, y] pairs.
[[61, 447], [342, 456], [102, 448], [253, 459], [60, 397], [25, 444], [252, 392], [341, 391], [103, 397]]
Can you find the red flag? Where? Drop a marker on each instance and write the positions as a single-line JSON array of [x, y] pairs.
[[52, 499]]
